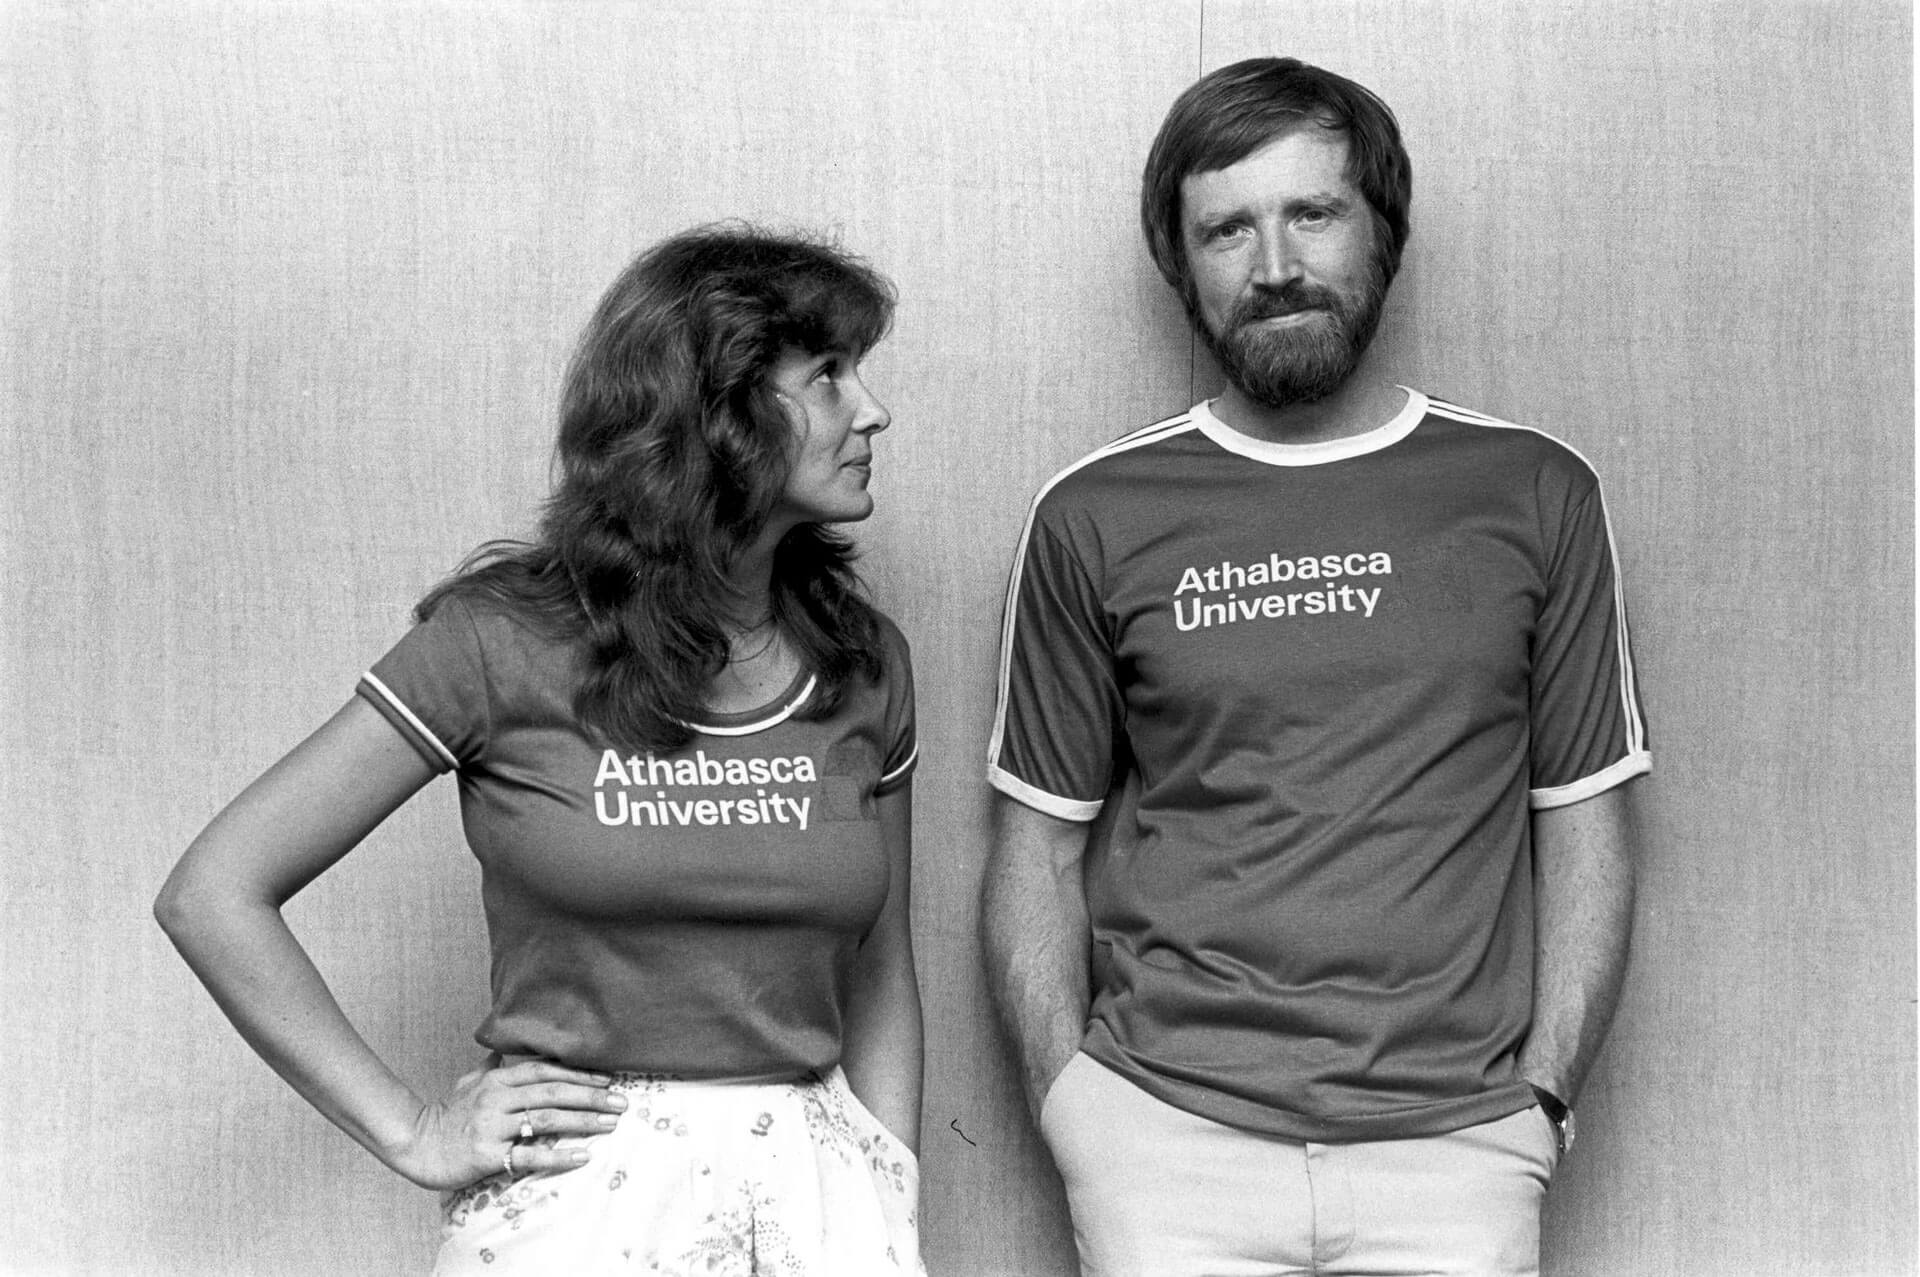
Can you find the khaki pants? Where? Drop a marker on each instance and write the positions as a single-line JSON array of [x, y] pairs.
[[1156, 1191]]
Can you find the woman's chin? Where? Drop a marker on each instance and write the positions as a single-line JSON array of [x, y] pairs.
[[855, 514], [850, 508]]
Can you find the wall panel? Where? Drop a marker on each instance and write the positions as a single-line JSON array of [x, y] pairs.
[[285, 296]]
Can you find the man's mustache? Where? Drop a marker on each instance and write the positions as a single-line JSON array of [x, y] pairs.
[[1288, 299]]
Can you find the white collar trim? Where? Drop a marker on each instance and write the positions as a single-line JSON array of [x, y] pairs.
[[1312, 454], [747, 724]]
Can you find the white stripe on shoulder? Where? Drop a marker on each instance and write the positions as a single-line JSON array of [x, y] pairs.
[[1178, 424], [1166, 428], [1629, 699], [413, 720], [1454, 410], [905, 767]]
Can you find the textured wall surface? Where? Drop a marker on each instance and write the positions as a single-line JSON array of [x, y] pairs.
[[285, 295]]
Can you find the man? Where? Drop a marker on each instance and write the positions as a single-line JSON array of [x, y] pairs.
[[1363, 656]]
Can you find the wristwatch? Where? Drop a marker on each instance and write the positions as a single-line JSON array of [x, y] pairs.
[[1558, 1113]]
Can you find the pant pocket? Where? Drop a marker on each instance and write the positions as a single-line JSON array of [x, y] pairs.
[[1549, 1140]]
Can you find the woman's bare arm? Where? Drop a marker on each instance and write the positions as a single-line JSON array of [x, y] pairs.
[[883, 1045], [221, 908]]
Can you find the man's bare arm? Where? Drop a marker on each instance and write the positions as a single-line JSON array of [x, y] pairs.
[[1035, 934], [1583, 908]]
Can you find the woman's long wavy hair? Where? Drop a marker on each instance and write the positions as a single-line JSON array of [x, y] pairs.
[[673, 453]]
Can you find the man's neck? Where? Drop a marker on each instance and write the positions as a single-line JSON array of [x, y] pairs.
[[1365, 401]]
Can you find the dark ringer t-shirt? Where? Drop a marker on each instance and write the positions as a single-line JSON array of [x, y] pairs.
[[694, 913], [1343, 674]]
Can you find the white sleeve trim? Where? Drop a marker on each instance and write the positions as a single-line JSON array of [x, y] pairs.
[[399, 707], [888, 778], [1040, 800], [1635, 764]]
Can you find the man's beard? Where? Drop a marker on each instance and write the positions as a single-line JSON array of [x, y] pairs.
[[1303, 363]]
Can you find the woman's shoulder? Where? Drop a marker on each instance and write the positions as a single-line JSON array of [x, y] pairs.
[[890, 641], [506, 595], [892, 637], [896, 654], [485, 614], [514, 641]]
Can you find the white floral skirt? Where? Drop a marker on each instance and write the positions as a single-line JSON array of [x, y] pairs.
[[721, 1179]]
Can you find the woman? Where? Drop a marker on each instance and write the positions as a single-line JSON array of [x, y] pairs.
[[684, 745]]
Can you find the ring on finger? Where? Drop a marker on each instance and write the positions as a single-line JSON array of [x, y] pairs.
[[506, 1159], [526, 1126]]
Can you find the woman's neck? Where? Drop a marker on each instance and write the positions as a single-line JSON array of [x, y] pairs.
[[761, 663], [750, 585]]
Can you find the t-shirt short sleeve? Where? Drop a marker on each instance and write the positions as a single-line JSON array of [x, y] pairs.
[[1587, 730], [433, 688], [1059, 714], [902, 745]]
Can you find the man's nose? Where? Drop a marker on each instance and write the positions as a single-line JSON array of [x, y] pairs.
[[1276, 262]]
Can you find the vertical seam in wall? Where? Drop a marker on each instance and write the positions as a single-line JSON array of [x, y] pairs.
[[1193, 335]]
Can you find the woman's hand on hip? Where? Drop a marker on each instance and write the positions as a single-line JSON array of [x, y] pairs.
[[499, 1119]]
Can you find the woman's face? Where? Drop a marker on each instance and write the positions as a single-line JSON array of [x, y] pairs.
[[834, 418]]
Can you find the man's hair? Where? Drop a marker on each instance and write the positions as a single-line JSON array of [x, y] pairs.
[[1234, 111], [673, 453]]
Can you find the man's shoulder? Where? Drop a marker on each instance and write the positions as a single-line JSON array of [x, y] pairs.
[[1118, 465], [1527, 447]]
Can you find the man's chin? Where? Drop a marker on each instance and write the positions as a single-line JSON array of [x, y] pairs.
[[1283, 380]]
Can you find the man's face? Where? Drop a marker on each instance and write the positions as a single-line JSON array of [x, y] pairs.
[[1288, 272]]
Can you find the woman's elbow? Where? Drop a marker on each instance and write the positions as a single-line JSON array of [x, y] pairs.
[[189, 904], [175, 908]]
